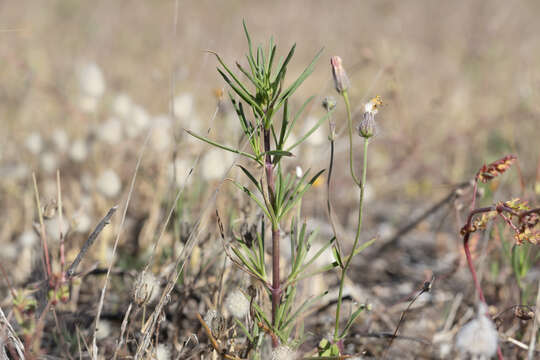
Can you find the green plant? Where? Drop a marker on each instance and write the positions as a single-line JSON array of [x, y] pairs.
[[259, 102], [366, 131]]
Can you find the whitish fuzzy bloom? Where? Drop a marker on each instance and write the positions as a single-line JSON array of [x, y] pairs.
[[479, 336], [110, 132], [366, 129], [49, 162], [28, 238], [122, 106], [54, 227], [214, 164], [179, 171], [78, 151], [60, 139], [237, 304], [88, 104], [183, 105], [163, 352], [299, 172], [82, 223], [341, 80], [91, 80], [108, 183], [161, 136], [373, 105], [283, 353], [137, 122], [146, 289], [103, 329], [34, 143]]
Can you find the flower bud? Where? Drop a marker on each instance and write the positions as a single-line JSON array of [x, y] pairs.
[[329, 103], [366, 129], [341, 81]]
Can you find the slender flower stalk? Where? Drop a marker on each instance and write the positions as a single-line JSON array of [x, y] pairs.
[[366, 131]]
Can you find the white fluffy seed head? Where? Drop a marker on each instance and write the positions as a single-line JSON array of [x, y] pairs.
[[49, 162], [146, 288], [237, 304], [34, 143], [478, 337], [91, 80], [110, 132], [122, 106], [108, 183], [163, 352], [103, 329], [215, 163], [283, 353], [54, 227], [60, 139], [78, 151], [183, 105]]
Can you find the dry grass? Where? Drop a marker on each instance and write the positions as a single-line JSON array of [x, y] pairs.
[[462, 89]]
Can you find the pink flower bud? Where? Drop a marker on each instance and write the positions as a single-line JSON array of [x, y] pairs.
[[341, 81]]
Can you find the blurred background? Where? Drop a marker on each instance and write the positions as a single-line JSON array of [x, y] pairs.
[[83, 82]]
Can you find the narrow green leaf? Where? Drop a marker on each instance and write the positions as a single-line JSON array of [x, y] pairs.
[[351, 320], [250, 176], [251, 195], [303, 308], [296, 117], [244, 329], [224, 147], [364, 246], [290, 90]]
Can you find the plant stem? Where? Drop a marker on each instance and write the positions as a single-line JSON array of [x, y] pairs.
[[349, 122], [276, 286], [361, 185]]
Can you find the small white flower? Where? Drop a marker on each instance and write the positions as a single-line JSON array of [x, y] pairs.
[[110, 132], [283, 353], [183, 105], [479, 336], [49, 162], [237, 304], [34, 143], [372, 106], [60, 139], [163, 352], [91, 80], [108, 183], [299, 172], [78, 151], [122, 106]]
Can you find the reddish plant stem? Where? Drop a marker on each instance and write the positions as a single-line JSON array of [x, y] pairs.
[[276, 286], [466, 237], [471, 267]]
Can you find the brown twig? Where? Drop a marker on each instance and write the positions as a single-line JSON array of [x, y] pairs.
[[91, 239]]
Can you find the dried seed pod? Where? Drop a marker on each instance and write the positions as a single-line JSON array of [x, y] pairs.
[[496, 168]]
